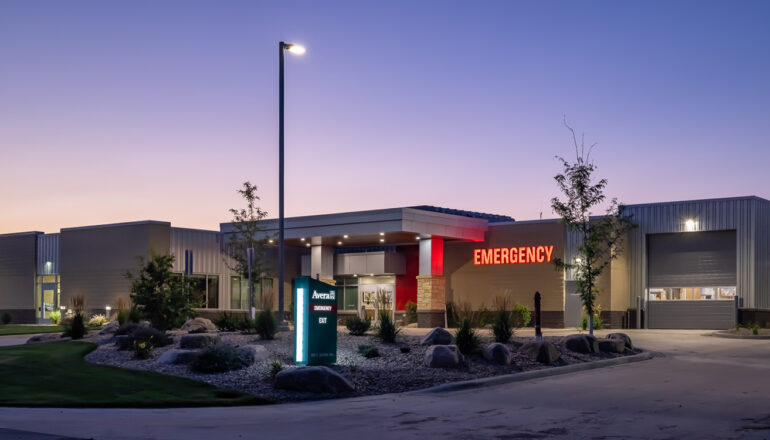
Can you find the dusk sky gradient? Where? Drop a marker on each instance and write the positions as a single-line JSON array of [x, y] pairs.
[[122, 111]]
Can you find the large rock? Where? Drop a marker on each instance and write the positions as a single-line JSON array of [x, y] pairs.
[[581, 344], [443, 356], [47, 337], [198, 340], [196, 324], [177, 356], [612, 345], [498, 353], [110, 328], [543, 351], [313, 380], [626, 339], [438, 336]]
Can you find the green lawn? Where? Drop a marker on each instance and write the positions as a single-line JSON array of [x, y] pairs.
[[19, 329], [30, 329], [55, 374]]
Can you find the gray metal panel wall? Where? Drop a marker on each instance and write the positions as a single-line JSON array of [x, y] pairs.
[[762, 256], [710, 215], [691, 314], [207, 257], [48, 252], [17, 270]]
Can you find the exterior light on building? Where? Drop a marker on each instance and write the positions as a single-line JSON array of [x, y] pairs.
[[108, 308], [355, 275], [307, 244], [371, 274], [302, 239], [270, 241], [417, 237], [578, 260], [345, 236], [382, 240], [382, 234], [339, 243], [690, 225]]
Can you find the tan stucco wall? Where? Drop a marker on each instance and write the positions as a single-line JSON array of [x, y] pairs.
[[479, 284], [17, 271], [94, 261], [621, 283]]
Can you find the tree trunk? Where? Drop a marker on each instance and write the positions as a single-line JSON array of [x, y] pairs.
[[591, 324]]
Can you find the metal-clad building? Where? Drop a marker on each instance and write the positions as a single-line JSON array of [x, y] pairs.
[[678, 249]]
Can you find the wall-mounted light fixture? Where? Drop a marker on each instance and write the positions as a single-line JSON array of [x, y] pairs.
[[690, 225]]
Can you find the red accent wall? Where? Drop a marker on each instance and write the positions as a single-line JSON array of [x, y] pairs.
[[406, 285]]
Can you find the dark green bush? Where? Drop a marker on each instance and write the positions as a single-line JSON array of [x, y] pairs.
[[6, 318], [410, 315], [219, 358], [598, 324], [266, 325], [129, 315], [502, 326], [451, 315], [755, 329], [228, 322], [466, 338], [387, 331], [149, 335], [521, 315], [275, 368], [357, 326], [126, 328], [75, 327], [143, 350], [368, 351]]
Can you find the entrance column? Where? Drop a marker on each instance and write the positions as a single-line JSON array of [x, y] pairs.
[[321, 261], [431, 285]]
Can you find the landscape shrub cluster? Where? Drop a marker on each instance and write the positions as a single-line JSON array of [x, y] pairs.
[[221, 357]]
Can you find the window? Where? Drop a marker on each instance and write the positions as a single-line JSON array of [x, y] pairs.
[[347, 293], [239, 292], [205, 290], [691, 293]]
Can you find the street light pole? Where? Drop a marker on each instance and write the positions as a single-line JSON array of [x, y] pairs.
[[296, 49]]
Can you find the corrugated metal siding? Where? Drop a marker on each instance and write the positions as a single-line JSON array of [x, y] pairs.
[[574, 239], [692, 314], [207, 257], [48, 252], [710, 215], [691, 259], [762, 256]]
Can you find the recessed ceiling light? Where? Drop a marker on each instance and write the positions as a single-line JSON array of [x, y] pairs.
[[302, 239], [339, 243], [307, 244], [382, 233], [382, 240], [371, 274], [417, 237], [355, 275], [345, 236], [270, 240]]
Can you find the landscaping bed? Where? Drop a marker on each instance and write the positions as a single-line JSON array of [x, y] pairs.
[[393, 371], [753, 332]]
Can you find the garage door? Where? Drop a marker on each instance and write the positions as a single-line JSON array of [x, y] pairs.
[[691, 279]]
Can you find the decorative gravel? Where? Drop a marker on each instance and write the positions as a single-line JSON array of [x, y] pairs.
[[392, 372]]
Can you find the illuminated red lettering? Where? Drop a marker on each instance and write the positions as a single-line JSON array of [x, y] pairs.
[[513, 256], [477, 256], [496, 253], [530, 254], [548, 252], [522, 254], [486, 256], [504, 256], [540, 256]]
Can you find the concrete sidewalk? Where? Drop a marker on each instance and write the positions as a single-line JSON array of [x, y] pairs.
[[701, 387]]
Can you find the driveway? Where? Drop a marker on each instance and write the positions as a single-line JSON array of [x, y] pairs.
[[699, 387]]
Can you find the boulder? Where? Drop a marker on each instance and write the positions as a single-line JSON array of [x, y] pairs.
[[197, 340], [47, 337], [196, 324], [498, 353], [581, 343], [612, 345], [626, 339], [110, 328], [543, 351], [177, 356], [438, 336], [313, 380], [443, 356]]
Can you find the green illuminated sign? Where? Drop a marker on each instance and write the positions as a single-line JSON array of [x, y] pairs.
[[315, 322]]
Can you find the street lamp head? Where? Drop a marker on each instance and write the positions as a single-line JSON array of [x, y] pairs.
[[296, 49]]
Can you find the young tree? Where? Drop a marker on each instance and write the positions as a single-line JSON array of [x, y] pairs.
[[248, 234], [163, 297], [600, 237]]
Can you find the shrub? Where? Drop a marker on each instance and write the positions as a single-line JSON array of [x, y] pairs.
[[163, 297], [598, 324], [227, 322], [126, 328], [521, 315], [482, 316], [75, 328], [266, 325], [55, 316], [451, 315], [6, 318], [357, 326], [755, 329], [275, 368], [78, 303], [246, 325], [218, 358], [368, 351], [387, 331], [129, 315], [411, 312], [140, 334], [98, 320], [142, 350], [502, 326], [466, 338], [584, 322]]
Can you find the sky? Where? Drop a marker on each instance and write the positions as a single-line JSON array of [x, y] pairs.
[[131, 110]]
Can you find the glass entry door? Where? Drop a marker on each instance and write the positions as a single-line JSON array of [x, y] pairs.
[[48, 300]]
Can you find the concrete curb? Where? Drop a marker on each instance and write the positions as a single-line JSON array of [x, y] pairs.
[[536, 374], [729, 336]]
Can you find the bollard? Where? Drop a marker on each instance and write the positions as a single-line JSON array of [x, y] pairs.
[[538, 332]]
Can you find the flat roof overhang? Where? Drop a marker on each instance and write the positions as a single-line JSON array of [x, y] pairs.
[[399, 226]]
